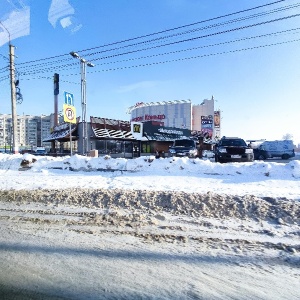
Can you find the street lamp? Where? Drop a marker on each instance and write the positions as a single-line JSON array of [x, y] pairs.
[[12, 90], [83, 64]]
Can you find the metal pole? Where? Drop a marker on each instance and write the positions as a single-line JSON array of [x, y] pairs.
[[85, 122], [83, 64], [70, 139], [13, 98], [55, 110], [56, 92], [83, 106]]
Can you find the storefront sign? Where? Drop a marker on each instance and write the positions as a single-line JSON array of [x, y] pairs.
[[137, 130], [148, 118], [155, 132]]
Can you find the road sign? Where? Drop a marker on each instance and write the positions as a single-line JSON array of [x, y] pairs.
[[69, 113], [69, 98]]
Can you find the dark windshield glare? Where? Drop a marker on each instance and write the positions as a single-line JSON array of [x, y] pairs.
[[184, 143], [233, 143]]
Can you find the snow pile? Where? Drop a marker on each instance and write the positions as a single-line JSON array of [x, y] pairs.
[[279, 211], [148, 228], [148, 164]]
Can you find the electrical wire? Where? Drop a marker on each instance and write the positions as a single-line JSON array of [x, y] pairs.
[[194, 57], [62, 64], [179, 59], [172, 43], [205, 46], [160, 32], [214, 25]]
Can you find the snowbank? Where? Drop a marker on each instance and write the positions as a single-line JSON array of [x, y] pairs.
[[102, 228]]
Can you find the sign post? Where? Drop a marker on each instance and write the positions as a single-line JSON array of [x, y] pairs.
[[69, 113]]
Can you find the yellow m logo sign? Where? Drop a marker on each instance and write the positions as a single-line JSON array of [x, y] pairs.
[[137, 128]]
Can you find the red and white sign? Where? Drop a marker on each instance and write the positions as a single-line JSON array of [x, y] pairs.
[[69, 113]]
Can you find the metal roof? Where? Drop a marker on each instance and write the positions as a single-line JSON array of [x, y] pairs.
[[111, 129]]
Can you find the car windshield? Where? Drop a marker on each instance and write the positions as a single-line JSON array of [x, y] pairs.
[[40, 151], [184, 143], [233, 143]]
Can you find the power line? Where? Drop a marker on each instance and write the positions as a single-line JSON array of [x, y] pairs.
[[178, 51], [205, 46], [63, 65], [34, 71], [202, 36], [213, 26], [184, 26], [195, 57], [160, 32], [35, 67], [51, 78], [180, 59]]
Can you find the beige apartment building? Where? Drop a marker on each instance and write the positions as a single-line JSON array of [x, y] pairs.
[[32, 130]]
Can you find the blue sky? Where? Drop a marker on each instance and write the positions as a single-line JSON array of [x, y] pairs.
[[250, 66]]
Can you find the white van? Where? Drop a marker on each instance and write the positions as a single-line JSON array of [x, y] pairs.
[[270, 149]]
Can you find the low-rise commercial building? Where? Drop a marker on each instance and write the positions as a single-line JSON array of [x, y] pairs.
[[159, 124], [202, 118]]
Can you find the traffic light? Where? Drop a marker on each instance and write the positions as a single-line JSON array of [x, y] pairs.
[[56, 83]]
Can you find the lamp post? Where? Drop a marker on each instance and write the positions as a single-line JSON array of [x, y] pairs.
[[83, 64]]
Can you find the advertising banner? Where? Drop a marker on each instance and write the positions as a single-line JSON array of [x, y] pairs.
[[207, 126], [155, 132], [217, 119]]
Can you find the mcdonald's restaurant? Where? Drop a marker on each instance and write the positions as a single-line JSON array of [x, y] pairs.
[[116, 138]]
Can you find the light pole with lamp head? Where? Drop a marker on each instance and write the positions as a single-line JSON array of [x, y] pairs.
[[83, 64], [13, 92]]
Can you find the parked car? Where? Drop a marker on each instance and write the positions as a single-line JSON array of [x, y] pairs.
[[184, 147], [208, 154], [268, 149], [40, 151], [233, 149]]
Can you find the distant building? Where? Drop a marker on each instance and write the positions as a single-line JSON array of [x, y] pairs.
[[31, 131], [202, 119], [161, 122], [177, 113]]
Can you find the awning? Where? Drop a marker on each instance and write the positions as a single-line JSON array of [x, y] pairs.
[[62, 133], [112, 134], [111, 129]]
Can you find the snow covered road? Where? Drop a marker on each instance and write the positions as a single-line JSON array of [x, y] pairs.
[[100, 245]]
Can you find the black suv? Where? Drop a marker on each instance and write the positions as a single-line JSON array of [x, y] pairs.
[[233, 149], [184, 147]]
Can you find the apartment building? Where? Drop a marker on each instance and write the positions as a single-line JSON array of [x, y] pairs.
[[32, 130]]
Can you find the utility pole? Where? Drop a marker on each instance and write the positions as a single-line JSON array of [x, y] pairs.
[[15, 148], [83, 64], [56, 93], [14, 134], [83, 106]]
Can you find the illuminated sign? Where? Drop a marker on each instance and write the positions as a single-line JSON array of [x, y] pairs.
[[148, 118], [136, 128]]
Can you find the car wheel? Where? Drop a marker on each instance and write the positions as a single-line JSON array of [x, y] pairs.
[[216, 158], [285, 156], [261, 157]]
